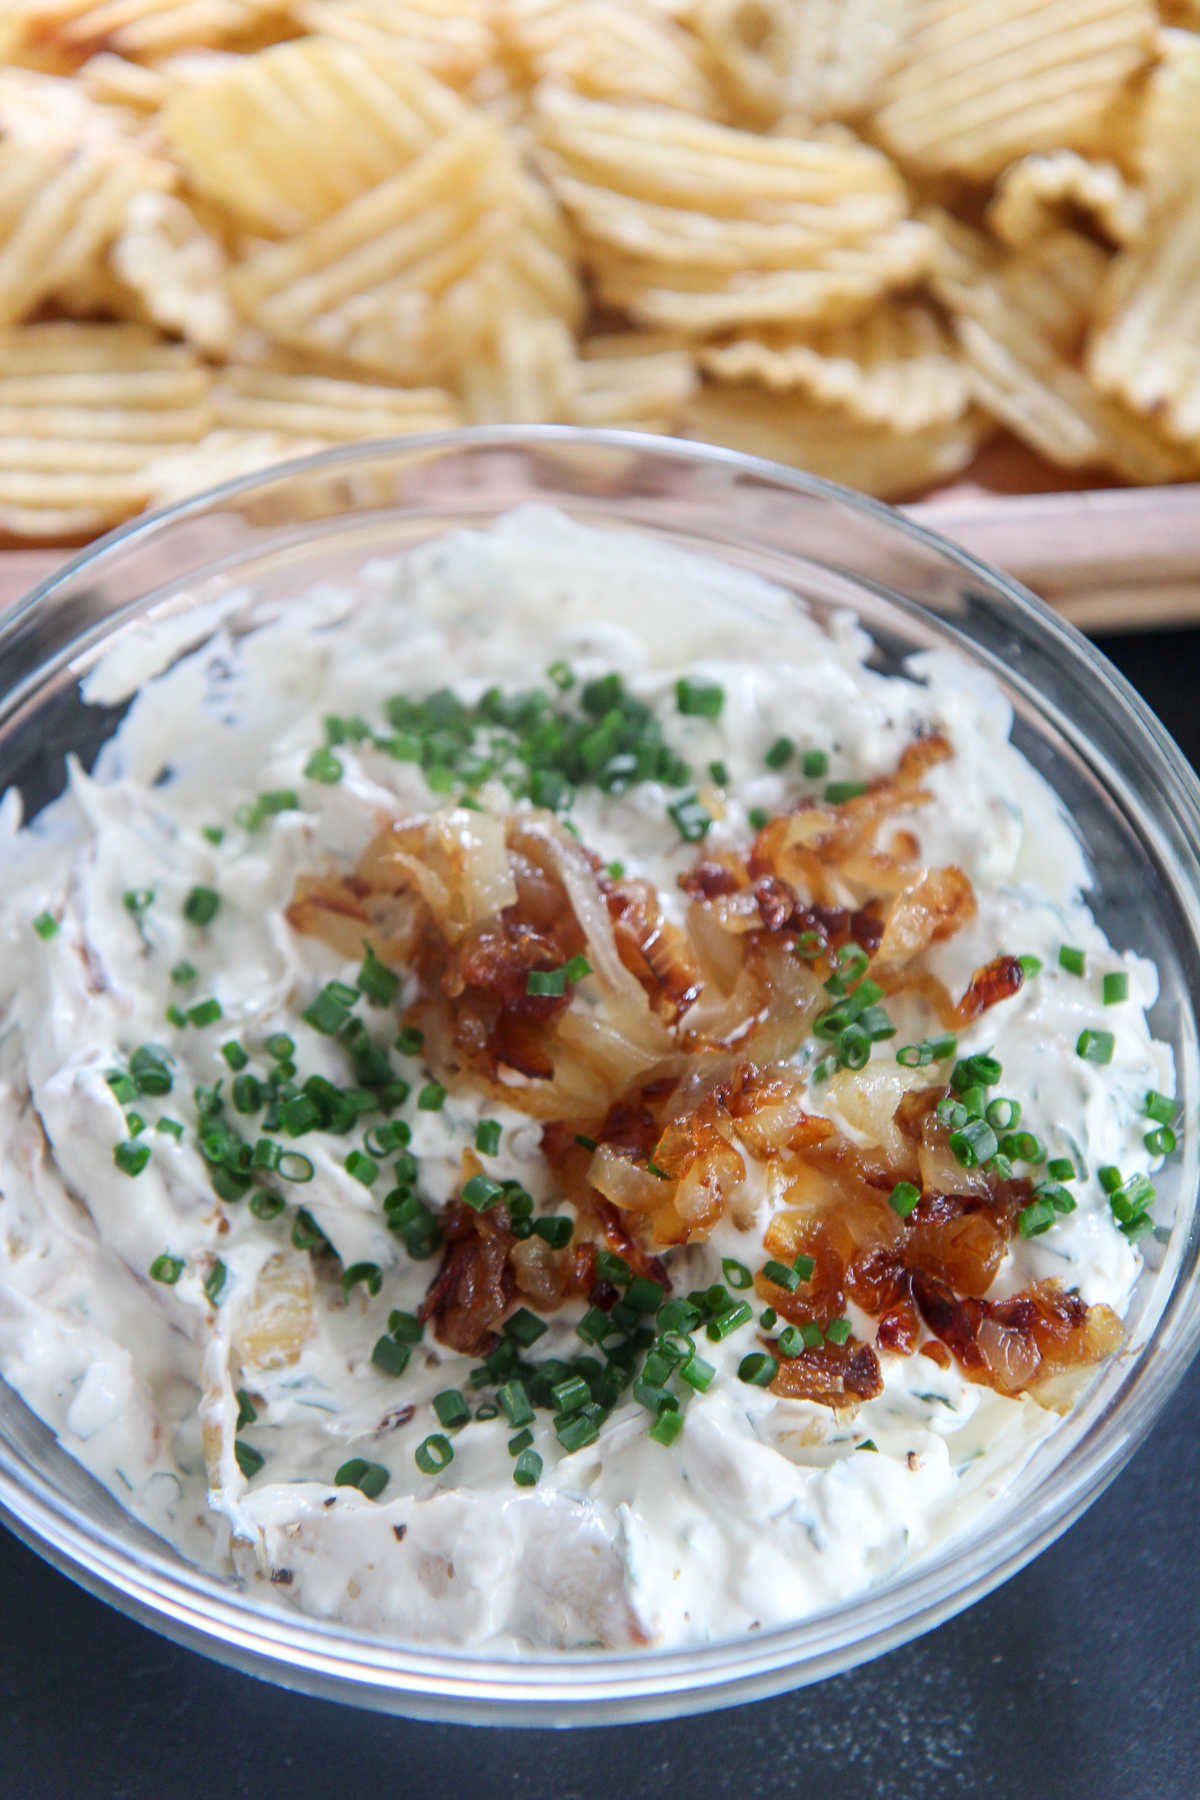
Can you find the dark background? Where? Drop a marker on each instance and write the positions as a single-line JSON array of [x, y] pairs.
[[1076, 1679]]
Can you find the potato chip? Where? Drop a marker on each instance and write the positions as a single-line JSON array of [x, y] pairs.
[[1042, 191], [521, 369], [983, 82], [284, 138], [1167, 152], [82, 410], [813, 59], [608, 50], [898, 366], [634, 380], [830, 442], [142, 27], [115, 81], [220, 456], [842, 281], [1147, 348], [320, 409], [176, 270], [58, 208], [368, 282], [454, 39], [1052, 283]]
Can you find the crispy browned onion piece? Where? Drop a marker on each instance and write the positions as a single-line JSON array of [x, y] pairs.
[[664, 1088]]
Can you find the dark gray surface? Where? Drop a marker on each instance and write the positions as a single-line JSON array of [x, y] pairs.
[[1077, 1679]]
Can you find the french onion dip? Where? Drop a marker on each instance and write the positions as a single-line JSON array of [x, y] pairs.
[[546, 1102]]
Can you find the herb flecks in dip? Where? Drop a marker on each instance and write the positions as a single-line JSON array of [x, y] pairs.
[[554, 1117]]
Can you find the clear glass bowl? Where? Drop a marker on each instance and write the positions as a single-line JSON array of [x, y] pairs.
[[1137, 806]]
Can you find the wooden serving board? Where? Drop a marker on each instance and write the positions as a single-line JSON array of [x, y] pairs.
[[1108, 558]]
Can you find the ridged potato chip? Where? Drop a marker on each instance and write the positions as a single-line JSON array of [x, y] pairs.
[[285, 138], [82, 411], [454, 39], [1147, 350], [842, 281], [898, 366], [608, 50], [176, 269], [1167, 153], [1052, 282], [634, 380], [1043, 191], [813, 59], [985, 81], [522, 368], [317, 407], [831, 442], [143, 27], [116, 81]]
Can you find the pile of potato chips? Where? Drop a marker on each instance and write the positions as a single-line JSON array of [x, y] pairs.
[[860, 236]]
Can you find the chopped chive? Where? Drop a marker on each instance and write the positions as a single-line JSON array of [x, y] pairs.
[[780, 753], [666, 1428], [451, 1408], [362, 1168], [247, 1411], [1115, 988], [409, 1041], [174, 1016], [150, 1068], [214, 1282], [595, 1326], [1161, 1141], [805, 1267], [1095, 1046], [1061, 1168], [729, 1321], [570, 1394], [524, 1327], [1036, 1218], [1072, 960], [183, 973], [782, 1276], [691, 818], [370, 1478], [134, 1124], [234, 1054], [205, 1012], [719, 773], [758, 1369], [975, 1071], [390, 1357], [519, 1441], [697, 699], [736, 1273], [481, 1192], [513, 1400], [379, 983], [293, 1165], [527, 1469], [487, 1136], [838, 1331], [266, 1206], [1158, 1107], [757, 817], [331, 1009], [576, 1432], [790, 1343], [838, 792], [431, 1097], [138, 900], [405, 1326], [815, 764], [324, 766], [556, 1232], [131, 1158], [201, 905], [248, 1459], [904, 1197], [170, 1128], [562, 675], [124, 1088], [1023, 1146], [166, 1269], [811, 1335], [368, 1273], [974, 1143], [1002, 1113], [46, 925]]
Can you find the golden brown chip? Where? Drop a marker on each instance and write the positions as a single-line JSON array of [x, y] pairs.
[[82, 411], [1147, 348], [898, 366], [608, 50], [454, 39], [983, 82], [1041, 192], [810, 59], [830, 442], [318, 408], [1052, 283], [284, 138], [634, 380]]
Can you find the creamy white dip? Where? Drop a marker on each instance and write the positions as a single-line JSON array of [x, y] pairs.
[[763, 1509]]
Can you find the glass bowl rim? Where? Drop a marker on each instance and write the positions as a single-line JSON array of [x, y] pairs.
[[334, 1661]]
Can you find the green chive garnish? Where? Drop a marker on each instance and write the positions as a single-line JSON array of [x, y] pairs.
[[166, 1269], [432, 1097], [1095, 1046], [131, 1158], [323, 766], [697, 699], [1072, 960], [46, 925], [369, 1478], [1115, 988], [780, 753], [202, 905]]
